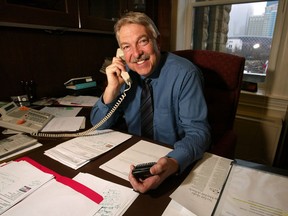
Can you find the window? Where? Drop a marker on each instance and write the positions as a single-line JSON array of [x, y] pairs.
[[244, 29], [275, 87]]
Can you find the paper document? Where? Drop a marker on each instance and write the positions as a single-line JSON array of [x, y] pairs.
[[16, 145], [201, 188], [62, 111], [36, 145], [175, 208], [55, 199], [77, 152], [26, 190], [62, 124], [254, 192], [141, 152], [70, 100], [117, 198], [17, 181]]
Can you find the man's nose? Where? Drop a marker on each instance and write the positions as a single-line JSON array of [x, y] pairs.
[[137, 52]]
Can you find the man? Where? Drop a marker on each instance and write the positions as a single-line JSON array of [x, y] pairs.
[[180, 112]]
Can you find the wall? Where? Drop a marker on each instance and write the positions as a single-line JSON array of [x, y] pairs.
[[257, 138], [50, 58]]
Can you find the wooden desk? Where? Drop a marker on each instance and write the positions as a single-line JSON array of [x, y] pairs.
[[151, 203]]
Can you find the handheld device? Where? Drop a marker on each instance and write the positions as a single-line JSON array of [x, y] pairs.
[[142, 171]]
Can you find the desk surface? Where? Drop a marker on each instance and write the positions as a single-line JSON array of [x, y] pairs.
[[151, 203]]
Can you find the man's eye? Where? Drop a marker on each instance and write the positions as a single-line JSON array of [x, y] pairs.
[[125, 48], [143, 42]]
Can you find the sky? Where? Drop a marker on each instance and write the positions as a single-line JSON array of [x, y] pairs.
[[258, 8], [236, 25]]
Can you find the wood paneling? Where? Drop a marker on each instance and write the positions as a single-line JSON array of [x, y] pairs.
[[49, 58]]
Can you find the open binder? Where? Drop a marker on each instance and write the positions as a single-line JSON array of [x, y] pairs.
[[227, 187]]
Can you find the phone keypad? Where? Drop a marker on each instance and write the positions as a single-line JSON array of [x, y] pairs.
[[36, 117]]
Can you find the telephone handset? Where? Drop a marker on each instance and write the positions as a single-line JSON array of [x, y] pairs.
[[127, 80], [124, 74]]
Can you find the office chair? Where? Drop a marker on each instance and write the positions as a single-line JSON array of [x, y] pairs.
[[222, 84]]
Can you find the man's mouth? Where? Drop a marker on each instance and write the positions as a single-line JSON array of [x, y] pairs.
[[140, 62]]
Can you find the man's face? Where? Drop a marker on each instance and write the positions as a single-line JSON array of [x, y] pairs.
[[141, 51]]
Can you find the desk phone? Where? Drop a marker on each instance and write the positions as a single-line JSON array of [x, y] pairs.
[[23, 118]]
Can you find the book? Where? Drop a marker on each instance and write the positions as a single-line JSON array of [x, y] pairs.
[[82, 85], [78, 80]]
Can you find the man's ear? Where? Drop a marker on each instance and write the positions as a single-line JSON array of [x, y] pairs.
[[158, 41]]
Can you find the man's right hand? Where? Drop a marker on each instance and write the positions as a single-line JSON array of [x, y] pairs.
[[115, 81]]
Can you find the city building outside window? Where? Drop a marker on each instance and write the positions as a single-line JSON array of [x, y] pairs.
[[244, 29]]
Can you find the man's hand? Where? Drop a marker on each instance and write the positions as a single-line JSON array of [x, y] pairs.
[[160, 171], [115, 81]]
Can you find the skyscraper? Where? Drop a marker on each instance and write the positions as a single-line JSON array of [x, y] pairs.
[[263, 25]]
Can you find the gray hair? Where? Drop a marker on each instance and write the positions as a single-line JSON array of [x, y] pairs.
[[136, 18]]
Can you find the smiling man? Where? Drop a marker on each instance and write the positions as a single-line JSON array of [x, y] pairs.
[[179, 108]]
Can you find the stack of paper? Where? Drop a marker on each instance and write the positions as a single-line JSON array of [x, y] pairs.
[[65, 119], [16, 144], [17, 181], [27, 190], [200, 190], [63, 124], [62, 111], [83, 101], [77, 152]]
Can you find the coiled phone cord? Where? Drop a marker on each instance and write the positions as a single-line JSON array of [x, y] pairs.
[[95, 127]]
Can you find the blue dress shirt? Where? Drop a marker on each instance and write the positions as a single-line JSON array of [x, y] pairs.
[[180, 111]]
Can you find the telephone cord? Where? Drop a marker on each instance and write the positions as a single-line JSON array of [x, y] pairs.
[[87, 132]]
